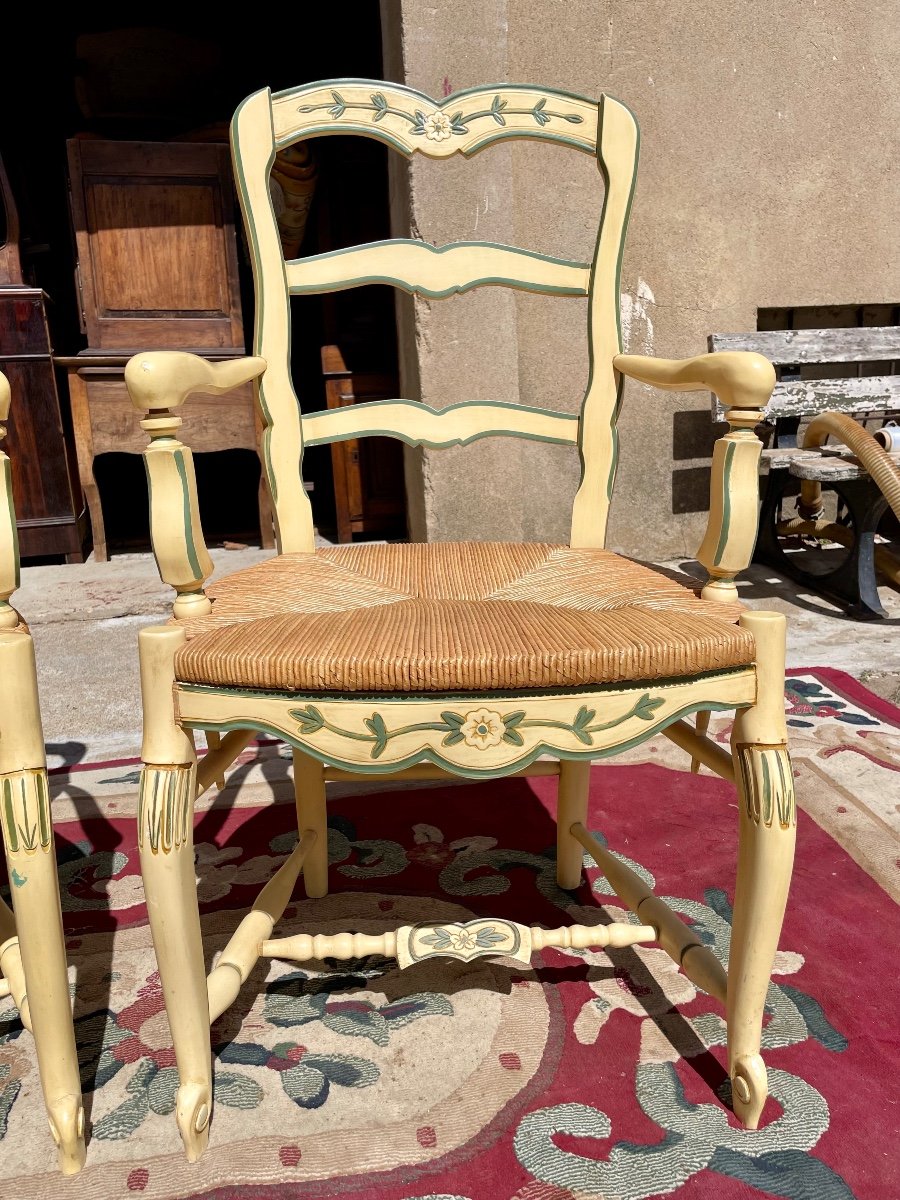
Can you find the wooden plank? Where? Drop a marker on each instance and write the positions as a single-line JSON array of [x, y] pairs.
[[871, 395], [456, 425], [800, 346], [436, 271]]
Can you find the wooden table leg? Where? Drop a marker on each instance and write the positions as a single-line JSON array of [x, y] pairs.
[[84, 449]]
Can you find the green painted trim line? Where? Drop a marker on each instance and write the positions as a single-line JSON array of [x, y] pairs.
[[13, 526], [193, 560], [446, 101], [342, 285], [616, 299], [259, 298], [437, 760], [150, 500], [43, 809], [599, 689], [311, 421], [726, 504], [12, 833]]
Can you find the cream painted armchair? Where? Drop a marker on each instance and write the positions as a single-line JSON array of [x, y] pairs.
[[451, 659], [33, 969]]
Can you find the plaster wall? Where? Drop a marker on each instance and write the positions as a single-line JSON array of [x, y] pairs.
[[768, 178]]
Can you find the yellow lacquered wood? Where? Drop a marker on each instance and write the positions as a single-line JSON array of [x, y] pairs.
[[436, 270], [414, 943], [33, 954], [253, 152], [681, 944], [743, 381], [349, 106], [701, 749], [245, 945], [336, 730], [767, 833], [416, 424], [617, 152]]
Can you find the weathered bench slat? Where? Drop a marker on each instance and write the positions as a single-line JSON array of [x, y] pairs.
[[790, 346], [808, 397]]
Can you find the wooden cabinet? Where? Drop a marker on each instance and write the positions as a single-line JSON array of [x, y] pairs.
[[49, 506], [369, 495], [157, 270]]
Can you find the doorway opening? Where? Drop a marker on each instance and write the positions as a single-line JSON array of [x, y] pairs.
[[178, 82]]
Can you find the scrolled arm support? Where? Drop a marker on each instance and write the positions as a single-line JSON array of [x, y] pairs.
[[743, 382], [159, 382]]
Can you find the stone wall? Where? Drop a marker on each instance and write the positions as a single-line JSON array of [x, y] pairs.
[[768, 178]]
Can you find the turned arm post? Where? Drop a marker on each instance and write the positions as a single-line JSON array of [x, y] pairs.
[[9, 538], [159, 382], [743, 381]]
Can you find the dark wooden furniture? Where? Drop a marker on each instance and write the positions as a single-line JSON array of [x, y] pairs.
[[844, 572], [157, 268], [49, 507], [369, 493]]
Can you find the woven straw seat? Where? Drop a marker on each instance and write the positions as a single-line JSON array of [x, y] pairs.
[[445, 617]]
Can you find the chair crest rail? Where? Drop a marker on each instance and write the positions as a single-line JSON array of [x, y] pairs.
[[410, 121]]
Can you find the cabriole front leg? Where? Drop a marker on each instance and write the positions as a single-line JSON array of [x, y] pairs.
[[30, 855], [767, 832], [166, 842]]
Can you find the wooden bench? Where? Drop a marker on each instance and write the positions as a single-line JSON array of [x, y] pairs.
[[843, 567]]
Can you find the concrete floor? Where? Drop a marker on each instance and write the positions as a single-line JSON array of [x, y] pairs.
[[85, 621]]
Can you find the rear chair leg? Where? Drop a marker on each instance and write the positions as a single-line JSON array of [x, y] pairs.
[[572, 809], [31, 858], [166, 842], [767, 832], [309, 792]]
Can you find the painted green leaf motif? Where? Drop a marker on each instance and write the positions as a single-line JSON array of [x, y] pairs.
[[496, 109], [340, 105], [418, 126], [452, 739], [376, 726], [440, 939], [457, 124], [310, 718], [489, 937], [511, 734], [646, 706], [381, 106], [583, 718], [452, 720]]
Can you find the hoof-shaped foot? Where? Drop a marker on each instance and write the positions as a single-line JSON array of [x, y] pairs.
[[192, 1112], [749, 1089], [66, 1119]]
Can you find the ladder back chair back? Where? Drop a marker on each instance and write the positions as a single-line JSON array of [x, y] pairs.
[[33, 970], [469, 659]]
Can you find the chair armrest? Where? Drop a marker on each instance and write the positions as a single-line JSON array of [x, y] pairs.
[[740, 378], [9, 539], [743, 381], [158, 382], [165, 378]]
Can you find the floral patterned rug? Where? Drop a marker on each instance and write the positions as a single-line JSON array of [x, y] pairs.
[[586, 1075]]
